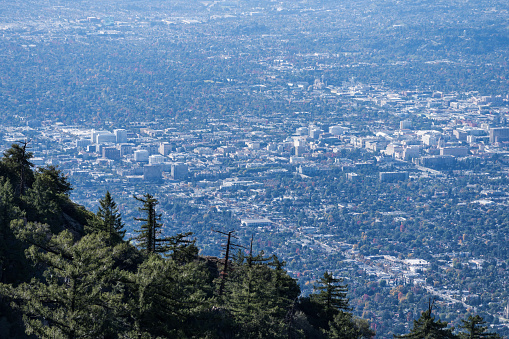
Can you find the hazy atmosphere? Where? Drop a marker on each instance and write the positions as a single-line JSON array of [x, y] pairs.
[[365, 144]]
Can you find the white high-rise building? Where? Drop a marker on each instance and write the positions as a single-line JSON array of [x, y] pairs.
[[95, 134], [314, 132], [120, 136], [165, 148], [299, 142]]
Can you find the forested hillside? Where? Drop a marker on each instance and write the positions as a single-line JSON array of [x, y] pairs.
[[69, 273]]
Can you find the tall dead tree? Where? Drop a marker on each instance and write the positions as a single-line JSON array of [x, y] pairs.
[[227, 247]]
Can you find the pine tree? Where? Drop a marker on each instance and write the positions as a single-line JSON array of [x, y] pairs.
[[148, 234], [49, 192], [12, 258], [342, 327], [429, 327], [180, 248], [76, 297], [474, 328], [260, 297], [332, 295], [321, 308], [8, 208], [108, 219], [167, 299], [285, 288], [16, 166]]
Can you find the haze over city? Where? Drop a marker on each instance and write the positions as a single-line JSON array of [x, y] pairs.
[[368, 139]]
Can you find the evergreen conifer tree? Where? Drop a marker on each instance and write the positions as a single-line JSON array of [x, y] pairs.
[[13, 263], [322, 308], [332, 295], [474, 328], [16, 166], [75, 297], [108, 219], [429, 327], [151, 228], [45, 198], [341, 327], [167, 299], [260, 297]]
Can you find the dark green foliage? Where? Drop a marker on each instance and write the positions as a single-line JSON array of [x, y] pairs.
[[16, 166], [147, 237], [346, 326], [108, 219], [8, 208], [167, 299], [474, 328], [14, 267], [330, 299], [363, 328], [45, 198], [11, 251], [312, 321], [71, 300], [180, 248], [54, 181], [342, 327], [260, 297], [327, 310], [429, 327], [331, 294], [13, 264]]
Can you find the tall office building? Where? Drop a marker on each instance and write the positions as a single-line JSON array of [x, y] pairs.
[[156, 159], [179, 170], [315, 132], [106, 138], [405, 124], [165, 148], [125, 149], [120, 136], [498, 134], [111, 153]]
